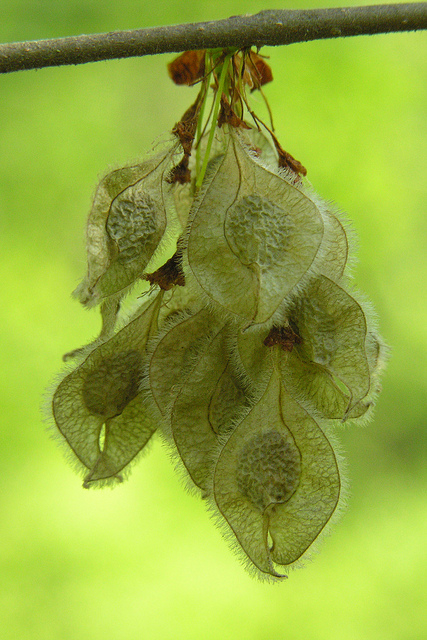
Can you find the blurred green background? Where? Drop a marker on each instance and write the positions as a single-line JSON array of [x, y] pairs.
[[145, 560]]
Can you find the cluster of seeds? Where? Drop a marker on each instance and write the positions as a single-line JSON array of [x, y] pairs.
[[244, 353]]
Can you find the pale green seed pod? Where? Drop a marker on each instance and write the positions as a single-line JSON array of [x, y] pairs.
[[98, 407], [196, 388], [262, 146], [333, 329], [311, 384], [333, 253], [173, 354], [276, 481], [377, 353], [207, 405], [177, 300], [183, 199], [251, 355], [131, 210], [252, 236], [323, 393], [333, 367], [334, 250]]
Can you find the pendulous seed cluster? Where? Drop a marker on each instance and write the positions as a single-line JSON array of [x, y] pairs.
[[249, 347]]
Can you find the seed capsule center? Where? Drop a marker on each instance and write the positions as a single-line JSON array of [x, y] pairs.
[[113, 384], [269, 469]]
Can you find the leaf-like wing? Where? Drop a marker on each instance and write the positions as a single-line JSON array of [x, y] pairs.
[[334, 249], [105, 390], [131, 209], [173, 355], [332, 328], [276, 477], [252, 236], [295, 525], [314, 386], [206, 406]]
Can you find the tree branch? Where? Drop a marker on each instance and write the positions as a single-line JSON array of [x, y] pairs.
[[265, 28]]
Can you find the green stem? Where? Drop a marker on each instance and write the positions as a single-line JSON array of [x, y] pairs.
[[202, 111], [217, 103]]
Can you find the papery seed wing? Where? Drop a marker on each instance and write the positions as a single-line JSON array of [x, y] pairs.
[[135, 225], [261, 146], [104, 390], [206, 406], [317, 389], [251, 355], [376, 352], [310, 383], [127, 222], [249, 475], [215, 268], [296, 524], [332, 328], [228, 397], [173, 355], [252, 236], [314, 386], [79, 426], [183, 199], [276, 468], [125, 436], [334, 248], [177, 300]]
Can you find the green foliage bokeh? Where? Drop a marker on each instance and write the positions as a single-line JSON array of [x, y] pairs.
[[145, 560]]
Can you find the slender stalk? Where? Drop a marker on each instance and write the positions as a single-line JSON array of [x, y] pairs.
[[202, 112], [217, 102], [276, 27]]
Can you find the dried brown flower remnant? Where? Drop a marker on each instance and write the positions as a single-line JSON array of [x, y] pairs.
[[254, 71], [185, 129], [227, 115], [168, 275], [180, 173], [286, 337], [188, 67], [261, 72], [286, 161]]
